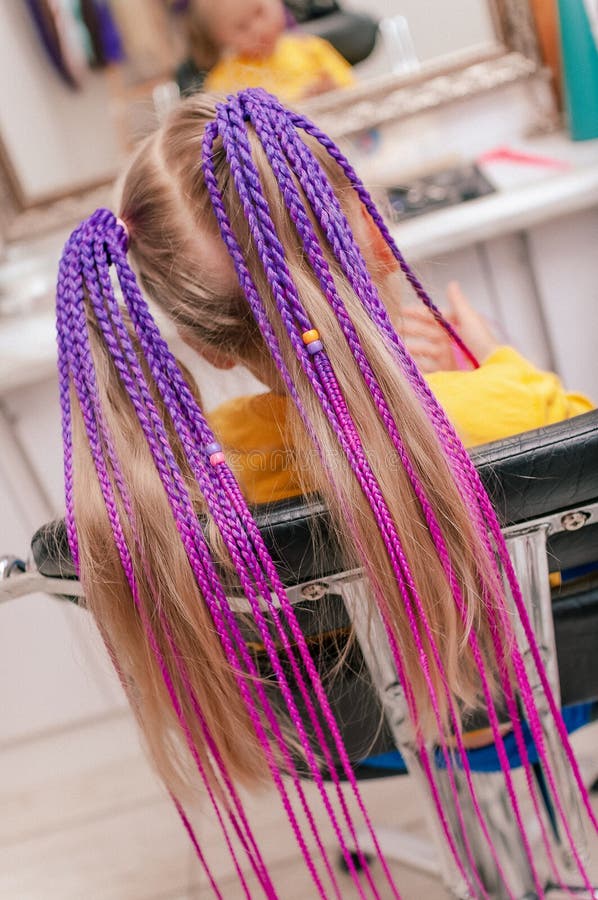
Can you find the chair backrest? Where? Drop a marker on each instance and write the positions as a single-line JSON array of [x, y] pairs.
[[548, 476]]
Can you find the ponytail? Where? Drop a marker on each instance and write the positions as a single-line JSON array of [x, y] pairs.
[[153, 509]]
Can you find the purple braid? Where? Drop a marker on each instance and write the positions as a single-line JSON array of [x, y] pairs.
[[287, 314], [102, 270], [326, 387], [146, 410], [319, 265], [70, 345], [77, 330], [172, 400], [98, 464], [307, 176], [304, 322], [255, 302], [474, 490], [85, 288], [268, 232], [139, 312], [228, 494]]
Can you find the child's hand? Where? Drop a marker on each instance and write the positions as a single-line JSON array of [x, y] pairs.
[[472, 328], [429, 344]]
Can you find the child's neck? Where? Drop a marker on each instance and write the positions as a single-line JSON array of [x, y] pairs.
[[265, 371]]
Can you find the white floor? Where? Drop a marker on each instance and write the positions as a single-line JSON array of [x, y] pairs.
[[82, 817]]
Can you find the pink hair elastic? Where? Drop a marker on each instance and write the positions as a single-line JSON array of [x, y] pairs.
[[124, 227]]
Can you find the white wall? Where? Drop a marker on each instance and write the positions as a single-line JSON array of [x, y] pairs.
[[437, 27]]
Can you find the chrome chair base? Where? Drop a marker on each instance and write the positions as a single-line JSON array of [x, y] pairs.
[[527, 547]]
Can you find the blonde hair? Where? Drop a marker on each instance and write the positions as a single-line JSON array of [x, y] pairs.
[[158, 528], [167, 208]]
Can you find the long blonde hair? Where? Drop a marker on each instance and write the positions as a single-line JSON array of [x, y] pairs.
[[157, 524], [167, 209]]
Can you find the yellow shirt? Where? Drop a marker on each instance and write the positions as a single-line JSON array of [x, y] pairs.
[[506, 395], [296, 68]]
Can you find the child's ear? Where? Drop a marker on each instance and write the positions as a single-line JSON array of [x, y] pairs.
[[217, 358], [382, 253]]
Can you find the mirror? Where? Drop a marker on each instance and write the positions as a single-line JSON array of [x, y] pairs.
[[60, 142], [479, 45], [433, 30], [71, 107]]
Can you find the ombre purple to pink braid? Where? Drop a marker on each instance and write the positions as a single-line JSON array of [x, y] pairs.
[[463, 469], [72, 332], [325, 385], [209, 591], [146, 368], [276, 269], [325, 206], [268, 136], [121, 332]]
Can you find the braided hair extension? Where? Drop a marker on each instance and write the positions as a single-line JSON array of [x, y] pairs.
[[324, 381], [164, 364], [324, 204], [102, 235], [268, 134], [179, 441], [323, 200], [235, 111], [145, 409], [275, 267], [76, 368]]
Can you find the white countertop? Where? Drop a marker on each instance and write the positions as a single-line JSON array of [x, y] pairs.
[[27, 343], [515, 210]]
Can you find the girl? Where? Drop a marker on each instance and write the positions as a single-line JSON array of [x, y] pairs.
[[253, 234], [506, 395], [243, 43]]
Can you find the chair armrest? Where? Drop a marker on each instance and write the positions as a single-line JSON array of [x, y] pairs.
[[540, 472]]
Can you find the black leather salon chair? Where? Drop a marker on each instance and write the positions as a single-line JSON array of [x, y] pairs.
[[352, 34], [544, 485]]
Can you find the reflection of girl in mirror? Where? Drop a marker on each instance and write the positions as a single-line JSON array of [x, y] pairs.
[[253, 234], [243, 43]]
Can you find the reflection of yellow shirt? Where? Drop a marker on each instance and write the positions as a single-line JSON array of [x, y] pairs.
[[505, 396], [298, 66]]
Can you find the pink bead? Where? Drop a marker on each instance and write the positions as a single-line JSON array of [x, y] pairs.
[[217, 458]]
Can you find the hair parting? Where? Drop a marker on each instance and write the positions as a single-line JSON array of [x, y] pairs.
[[159, 527]]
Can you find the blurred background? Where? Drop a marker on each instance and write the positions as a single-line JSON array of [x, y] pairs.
[[474, 122]]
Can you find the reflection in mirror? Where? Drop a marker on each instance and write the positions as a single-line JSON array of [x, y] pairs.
[[86, 114], [77, 92], [433, 30]]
